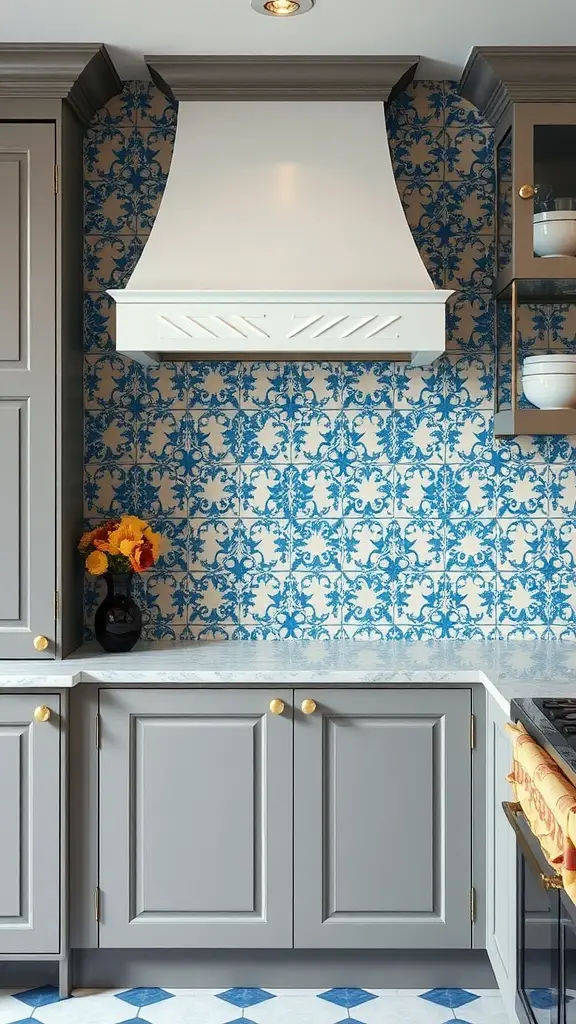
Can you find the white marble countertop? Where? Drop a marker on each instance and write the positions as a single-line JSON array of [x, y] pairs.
[[506, 669]]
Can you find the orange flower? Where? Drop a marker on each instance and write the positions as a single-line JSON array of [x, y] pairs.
[[100, 533], [154, 541], [97, 563], [142, 557], [121, 541]]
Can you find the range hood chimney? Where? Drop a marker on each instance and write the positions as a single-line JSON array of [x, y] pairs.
[[281, 232]]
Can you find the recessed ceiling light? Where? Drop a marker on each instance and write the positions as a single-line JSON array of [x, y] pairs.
[[283, 8]]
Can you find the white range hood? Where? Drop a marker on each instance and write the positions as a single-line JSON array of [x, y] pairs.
[[280, 233]]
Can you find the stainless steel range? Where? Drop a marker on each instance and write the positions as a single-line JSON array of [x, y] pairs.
[[546, 972]]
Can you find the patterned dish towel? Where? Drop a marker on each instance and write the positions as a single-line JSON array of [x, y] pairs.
[[548, 800]]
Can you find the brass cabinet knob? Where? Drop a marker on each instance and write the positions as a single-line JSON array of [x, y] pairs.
[[526, 191], [309, 706], [41, 643], [42, 713], [277, 706]]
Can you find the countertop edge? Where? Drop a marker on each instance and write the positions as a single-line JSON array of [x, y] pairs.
[[296, 678]]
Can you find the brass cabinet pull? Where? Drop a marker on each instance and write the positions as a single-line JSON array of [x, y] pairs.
[[42, 713], [309, 706], [277, 706], [526, 191], [512, 810], [41, 643]]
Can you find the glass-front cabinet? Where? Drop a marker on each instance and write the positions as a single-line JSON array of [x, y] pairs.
[[528, 94]]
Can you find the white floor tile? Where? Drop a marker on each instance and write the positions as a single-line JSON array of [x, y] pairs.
[[299, 1009], [12, 1009], [483, 1011], [401, 1009], [100, 1008], [191, 1009]]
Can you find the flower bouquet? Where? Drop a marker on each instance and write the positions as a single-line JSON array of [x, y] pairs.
[[116, 550]]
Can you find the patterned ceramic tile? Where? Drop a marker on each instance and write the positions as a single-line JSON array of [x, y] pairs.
[[325, 497]]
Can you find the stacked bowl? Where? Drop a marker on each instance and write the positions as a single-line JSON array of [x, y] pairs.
[[549, 380]]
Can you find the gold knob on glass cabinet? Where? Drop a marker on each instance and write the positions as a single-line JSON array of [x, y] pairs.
[[41, 643], [42, 713], [526, 191], [309, 706], [277, 706]]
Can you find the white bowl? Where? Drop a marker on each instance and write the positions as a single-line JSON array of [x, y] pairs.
[[550, 358], [550, 390], [563, 368], [555, 233]]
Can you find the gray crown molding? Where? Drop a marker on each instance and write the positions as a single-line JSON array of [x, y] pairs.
[[281, 78], [497, 76], [80, 73]]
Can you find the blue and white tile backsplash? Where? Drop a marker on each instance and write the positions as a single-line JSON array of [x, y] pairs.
[[329, 499]]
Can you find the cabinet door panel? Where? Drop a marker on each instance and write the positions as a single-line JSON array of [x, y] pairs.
[[30, 816], [27, 387], [382, 810], [500, 857], [196, 819]]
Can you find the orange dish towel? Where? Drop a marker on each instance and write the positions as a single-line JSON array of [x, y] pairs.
[[548, 800]]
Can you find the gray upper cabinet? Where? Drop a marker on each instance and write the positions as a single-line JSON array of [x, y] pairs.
[[382, 819], [195, 819], [27, 386], [48, 94], [30, 816]]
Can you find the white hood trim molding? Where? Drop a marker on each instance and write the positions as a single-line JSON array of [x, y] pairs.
[[373, 325], [281, 232]]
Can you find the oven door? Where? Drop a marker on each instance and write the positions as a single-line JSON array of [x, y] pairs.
[[539, 974]]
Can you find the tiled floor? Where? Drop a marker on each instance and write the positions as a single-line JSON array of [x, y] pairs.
[[253, 1006]]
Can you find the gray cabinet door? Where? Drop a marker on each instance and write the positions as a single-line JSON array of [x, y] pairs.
[[195, 819], [382, 817], [27, 387], [30, 823], [500, 857]]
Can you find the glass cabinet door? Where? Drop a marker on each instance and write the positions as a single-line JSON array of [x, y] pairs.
[[536, 182], [504, 202]]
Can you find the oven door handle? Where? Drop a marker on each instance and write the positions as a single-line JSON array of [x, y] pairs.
[[512, 810]]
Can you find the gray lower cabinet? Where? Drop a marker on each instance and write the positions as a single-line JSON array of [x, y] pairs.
[[195, 818], [500, 858], [30, 817], [382, 819]]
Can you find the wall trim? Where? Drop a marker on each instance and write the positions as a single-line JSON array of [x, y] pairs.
[[281, 78], [497, 76], [80, 73]]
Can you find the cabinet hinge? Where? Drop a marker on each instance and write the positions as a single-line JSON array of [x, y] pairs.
[[472, 904], [97, 903], [472, 731], [56, 605], [97, 732], [56, 179]]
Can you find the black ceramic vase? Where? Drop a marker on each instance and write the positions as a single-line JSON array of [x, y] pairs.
[[118, 620]]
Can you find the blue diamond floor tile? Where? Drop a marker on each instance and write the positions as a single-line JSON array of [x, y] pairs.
[[543, 998], [30, 1020], [42, 996], [347, 997], [241, 1020], [144, 996], [244, 997], [452, 998], [133, 1020]]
